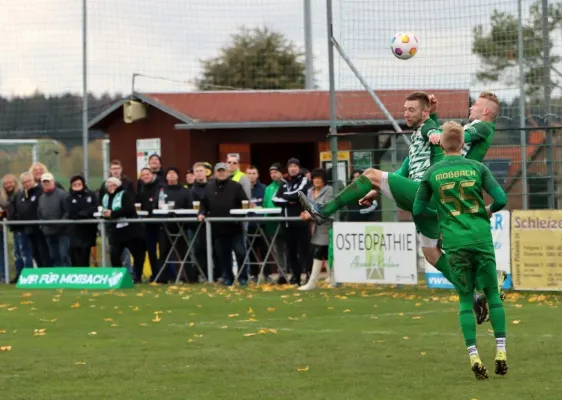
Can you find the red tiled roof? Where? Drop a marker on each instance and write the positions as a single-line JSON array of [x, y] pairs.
[[305, 105], [513, 153]]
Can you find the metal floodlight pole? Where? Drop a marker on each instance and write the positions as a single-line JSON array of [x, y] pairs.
[[522, 123], [85, 88], [333, 111], [105, 158], [547, 102], [369, 89], [309, 56], [6, 252]]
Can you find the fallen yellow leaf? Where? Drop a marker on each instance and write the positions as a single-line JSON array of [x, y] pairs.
[[12, 308], [418, 304], [249, 334], [515, 322], [79, 363], [270, 309], [39, 332], [190, 340], [199, 336], [135, 308], [381, 341], [224, 326], [330, 308], [192, 324], [250, 311], [2, 331], [347, 310], [232, 315], [92, 333], [401, 314], [75, 305], [157, 318], [113, 325], [302, 369], [26, 302], [5, 348], [108, 319], [142, 324], [26, 294], [406, 338], [519, 305], [422, 353], [417, 317]]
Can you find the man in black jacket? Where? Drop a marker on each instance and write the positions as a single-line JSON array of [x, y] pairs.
[[222, 195], [297, 235], [181, 197], [81, 203], [27, 203], [197, 192]]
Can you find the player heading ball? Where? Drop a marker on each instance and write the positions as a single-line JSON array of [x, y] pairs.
[[456, 186]]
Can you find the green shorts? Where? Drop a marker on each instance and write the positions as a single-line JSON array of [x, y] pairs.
[[403, 192], [473, 268]]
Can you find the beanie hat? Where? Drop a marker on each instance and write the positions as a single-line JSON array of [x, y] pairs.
[[293, 161], [177, 171], [275, 167]]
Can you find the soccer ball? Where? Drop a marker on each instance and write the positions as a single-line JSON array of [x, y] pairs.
[[404, 45]]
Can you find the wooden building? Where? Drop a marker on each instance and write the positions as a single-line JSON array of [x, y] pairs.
[[262, 126]]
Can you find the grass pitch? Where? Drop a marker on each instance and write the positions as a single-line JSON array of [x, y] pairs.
[[210, 342]]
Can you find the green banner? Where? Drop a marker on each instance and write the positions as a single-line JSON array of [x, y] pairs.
[[75, 278]]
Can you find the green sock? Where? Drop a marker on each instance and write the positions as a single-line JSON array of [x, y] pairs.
[[497, 312], [467, 320], [351, 194], [444, 267]]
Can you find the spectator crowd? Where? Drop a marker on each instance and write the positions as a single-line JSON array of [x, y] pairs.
[[300, 247]]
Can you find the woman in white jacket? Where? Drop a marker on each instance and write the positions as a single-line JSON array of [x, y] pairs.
[[320, 192]]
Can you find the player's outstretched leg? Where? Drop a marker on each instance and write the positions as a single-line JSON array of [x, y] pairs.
[[351, 194], [468, 326], [497, 318]]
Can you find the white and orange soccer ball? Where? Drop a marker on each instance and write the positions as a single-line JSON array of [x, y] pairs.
[[404, 45]]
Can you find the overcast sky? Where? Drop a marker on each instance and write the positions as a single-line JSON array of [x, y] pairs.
[[41, 41]]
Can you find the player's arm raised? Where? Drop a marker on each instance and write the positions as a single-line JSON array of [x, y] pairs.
[[493, 188], [423, 196], [433, 105]]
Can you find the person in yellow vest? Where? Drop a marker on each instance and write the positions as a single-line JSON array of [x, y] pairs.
[[233, 162]]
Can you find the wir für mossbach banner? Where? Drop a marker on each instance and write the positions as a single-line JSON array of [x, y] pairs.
[[75, 278]]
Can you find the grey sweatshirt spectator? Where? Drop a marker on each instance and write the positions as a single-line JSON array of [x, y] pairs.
[[52, 206]]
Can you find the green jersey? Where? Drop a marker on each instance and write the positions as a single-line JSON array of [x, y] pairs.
[[456, 185], [480, 135], [422, 153]]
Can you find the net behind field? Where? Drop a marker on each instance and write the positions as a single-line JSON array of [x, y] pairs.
[[466, 49]]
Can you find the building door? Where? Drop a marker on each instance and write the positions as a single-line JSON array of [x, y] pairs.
[[237, 148], [265, 154]]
